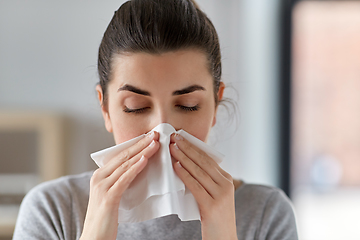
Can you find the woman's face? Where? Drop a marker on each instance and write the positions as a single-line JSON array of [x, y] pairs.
[[148, 89]]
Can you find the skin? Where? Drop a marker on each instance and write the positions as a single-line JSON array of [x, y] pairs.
[[146, 90]]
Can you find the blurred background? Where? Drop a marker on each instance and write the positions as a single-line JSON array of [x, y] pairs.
[[325, 113], [291, 67]]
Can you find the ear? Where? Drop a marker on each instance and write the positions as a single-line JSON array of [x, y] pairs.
[[220, 96], [104, 109]]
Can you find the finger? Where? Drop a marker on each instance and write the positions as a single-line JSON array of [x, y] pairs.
[[198, 191], [128, 153], [123, 182], [195, 171], [226, 175], [200, 158], [129, 164]]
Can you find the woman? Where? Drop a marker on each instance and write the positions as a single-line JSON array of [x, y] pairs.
[[159, 62]]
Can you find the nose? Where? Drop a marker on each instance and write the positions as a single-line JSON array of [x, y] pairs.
[[165, 115]]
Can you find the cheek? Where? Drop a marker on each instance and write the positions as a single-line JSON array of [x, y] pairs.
[[200, 131], [125, 128], [121, 136], [200, 125]]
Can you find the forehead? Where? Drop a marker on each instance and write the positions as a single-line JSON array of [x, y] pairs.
[[177, 68]]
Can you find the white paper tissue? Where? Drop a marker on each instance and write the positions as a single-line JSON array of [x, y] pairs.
[[157, 191]]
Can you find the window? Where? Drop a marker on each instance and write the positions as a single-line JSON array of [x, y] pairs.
[[325, 113]]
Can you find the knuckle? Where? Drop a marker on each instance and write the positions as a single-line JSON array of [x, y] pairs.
[[126, 179], [229, 186], [228, 177], [200, 173], [135, 169], [203, 159], [186, 146], [93, 181], [125, 155], [95, 177], [97, 188], [125, 165], [198, 186]]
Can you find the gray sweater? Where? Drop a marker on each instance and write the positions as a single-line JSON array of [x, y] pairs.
[[56, 210]]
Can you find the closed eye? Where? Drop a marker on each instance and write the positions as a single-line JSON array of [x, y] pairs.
[[188, 109], [142, 110], [137, 110]]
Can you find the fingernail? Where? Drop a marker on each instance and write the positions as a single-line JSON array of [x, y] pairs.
[[142, 158], [176, 146], [178, 164], [178, 137], [150, 134], [152, 143]]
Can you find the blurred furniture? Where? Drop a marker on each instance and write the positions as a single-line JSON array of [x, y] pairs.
[[31, 151]]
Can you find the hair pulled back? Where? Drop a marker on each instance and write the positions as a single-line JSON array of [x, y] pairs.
[[159, 26]]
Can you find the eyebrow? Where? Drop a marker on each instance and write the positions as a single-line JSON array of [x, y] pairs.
[[183, 91], [130, 88], [189, 89]]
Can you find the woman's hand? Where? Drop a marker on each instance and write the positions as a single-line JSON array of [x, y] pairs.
[[211, 186], [109, 182]]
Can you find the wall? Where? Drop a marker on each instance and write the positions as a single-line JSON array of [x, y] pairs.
[[48, 52]]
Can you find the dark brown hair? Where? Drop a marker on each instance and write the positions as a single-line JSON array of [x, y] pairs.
[[158, 26]]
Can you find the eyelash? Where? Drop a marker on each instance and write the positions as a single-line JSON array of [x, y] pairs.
[[141, 110], [188, 109]]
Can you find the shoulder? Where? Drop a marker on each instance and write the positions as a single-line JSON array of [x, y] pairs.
[[54, 209], [268, 211], [61, 188], [263, 198], [260, 194]]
